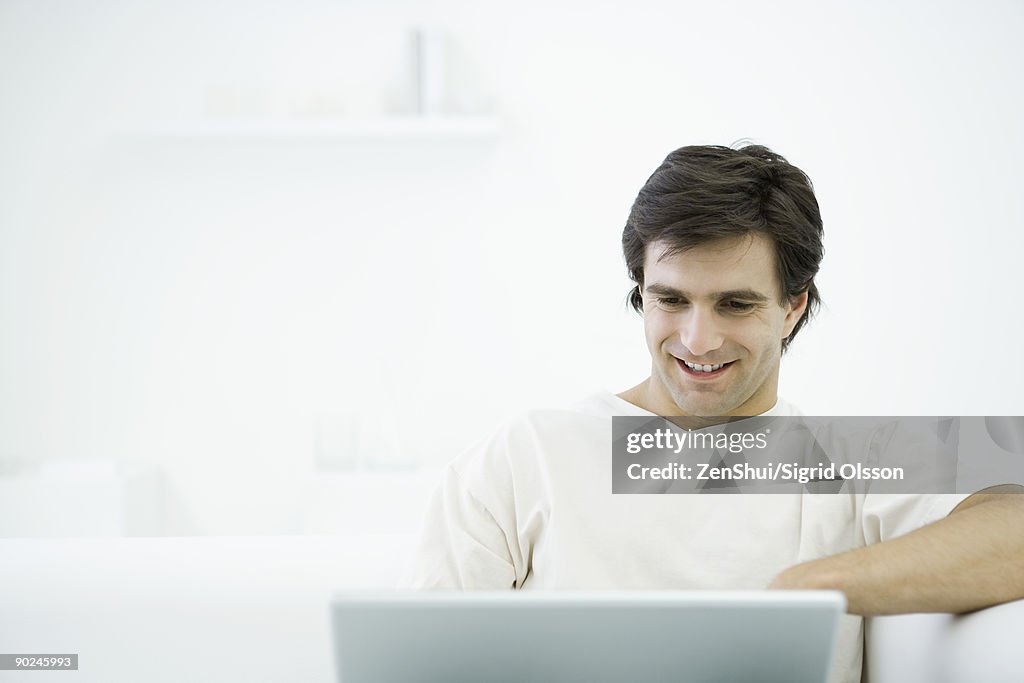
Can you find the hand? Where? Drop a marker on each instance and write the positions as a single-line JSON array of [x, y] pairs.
[[813, 575], [804, 576]]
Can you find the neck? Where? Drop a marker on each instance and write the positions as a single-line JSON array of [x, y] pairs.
[[647, 396]]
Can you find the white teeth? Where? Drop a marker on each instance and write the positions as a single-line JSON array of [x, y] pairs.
[[703, 368]]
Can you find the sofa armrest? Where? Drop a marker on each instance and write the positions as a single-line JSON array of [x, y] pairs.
[[984, 645], [164, 610]]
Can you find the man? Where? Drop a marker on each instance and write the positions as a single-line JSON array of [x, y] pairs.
[[723, 245]]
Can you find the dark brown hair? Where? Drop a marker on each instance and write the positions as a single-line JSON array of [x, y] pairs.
[[705, 193]]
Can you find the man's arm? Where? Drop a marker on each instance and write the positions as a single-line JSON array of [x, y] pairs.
[[972, 558]]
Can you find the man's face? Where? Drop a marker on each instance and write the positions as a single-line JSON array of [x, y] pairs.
[[715, 304]]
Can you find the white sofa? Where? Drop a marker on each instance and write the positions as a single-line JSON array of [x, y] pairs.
[[255, 609]]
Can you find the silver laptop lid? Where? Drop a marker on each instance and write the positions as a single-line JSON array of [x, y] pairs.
[[585, 637]]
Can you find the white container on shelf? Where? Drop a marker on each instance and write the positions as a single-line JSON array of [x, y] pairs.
[[430, 71]]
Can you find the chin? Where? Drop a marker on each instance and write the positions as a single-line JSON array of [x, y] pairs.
[[698, 408]]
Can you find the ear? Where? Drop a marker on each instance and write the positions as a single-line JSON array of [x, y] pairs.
[[797, 306]]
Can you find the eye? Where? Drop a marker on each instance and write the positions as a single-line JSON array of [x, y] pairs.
[[669, 301], [738, 306]]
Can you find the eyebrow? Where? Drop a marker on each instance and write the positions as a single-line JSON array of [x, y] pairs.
[[745, 294]]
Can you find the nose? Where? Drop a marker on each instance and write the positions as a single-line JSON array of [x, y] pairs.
[[699, 331]]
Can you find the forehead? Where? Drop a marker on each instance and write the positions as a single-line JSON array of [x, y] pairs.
[[733, 263]]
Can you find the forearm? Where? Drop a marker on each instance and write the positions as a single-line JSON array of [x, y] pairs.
[[970, 559]]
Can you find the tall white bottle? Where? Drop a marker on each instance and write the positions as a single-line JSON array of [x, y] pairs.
[[429, 72]]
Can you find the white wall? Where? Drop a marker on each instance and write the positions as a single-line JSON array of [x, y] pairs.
[[196, 305]]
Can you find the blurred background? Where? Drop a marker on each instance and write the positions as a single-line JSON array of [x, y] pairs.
[[265, 267]]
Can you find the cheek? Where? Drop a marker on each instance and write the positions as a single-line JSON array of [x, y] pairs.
[[657, 328], [758, 336], [766, 343], [777, 322]]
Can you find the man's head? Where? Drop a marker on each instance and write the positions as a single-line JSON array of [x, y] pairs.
[[723, 245]]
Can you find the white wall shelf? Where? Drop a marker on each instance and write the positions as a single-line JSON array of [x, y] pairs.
[[382, 127]]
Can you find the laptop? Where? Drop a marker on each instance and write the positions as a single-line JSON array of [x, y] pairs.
[[585, 637]]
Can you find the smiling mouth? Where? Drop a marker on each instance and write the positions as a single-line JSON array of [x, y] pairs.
[[704, 371]]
